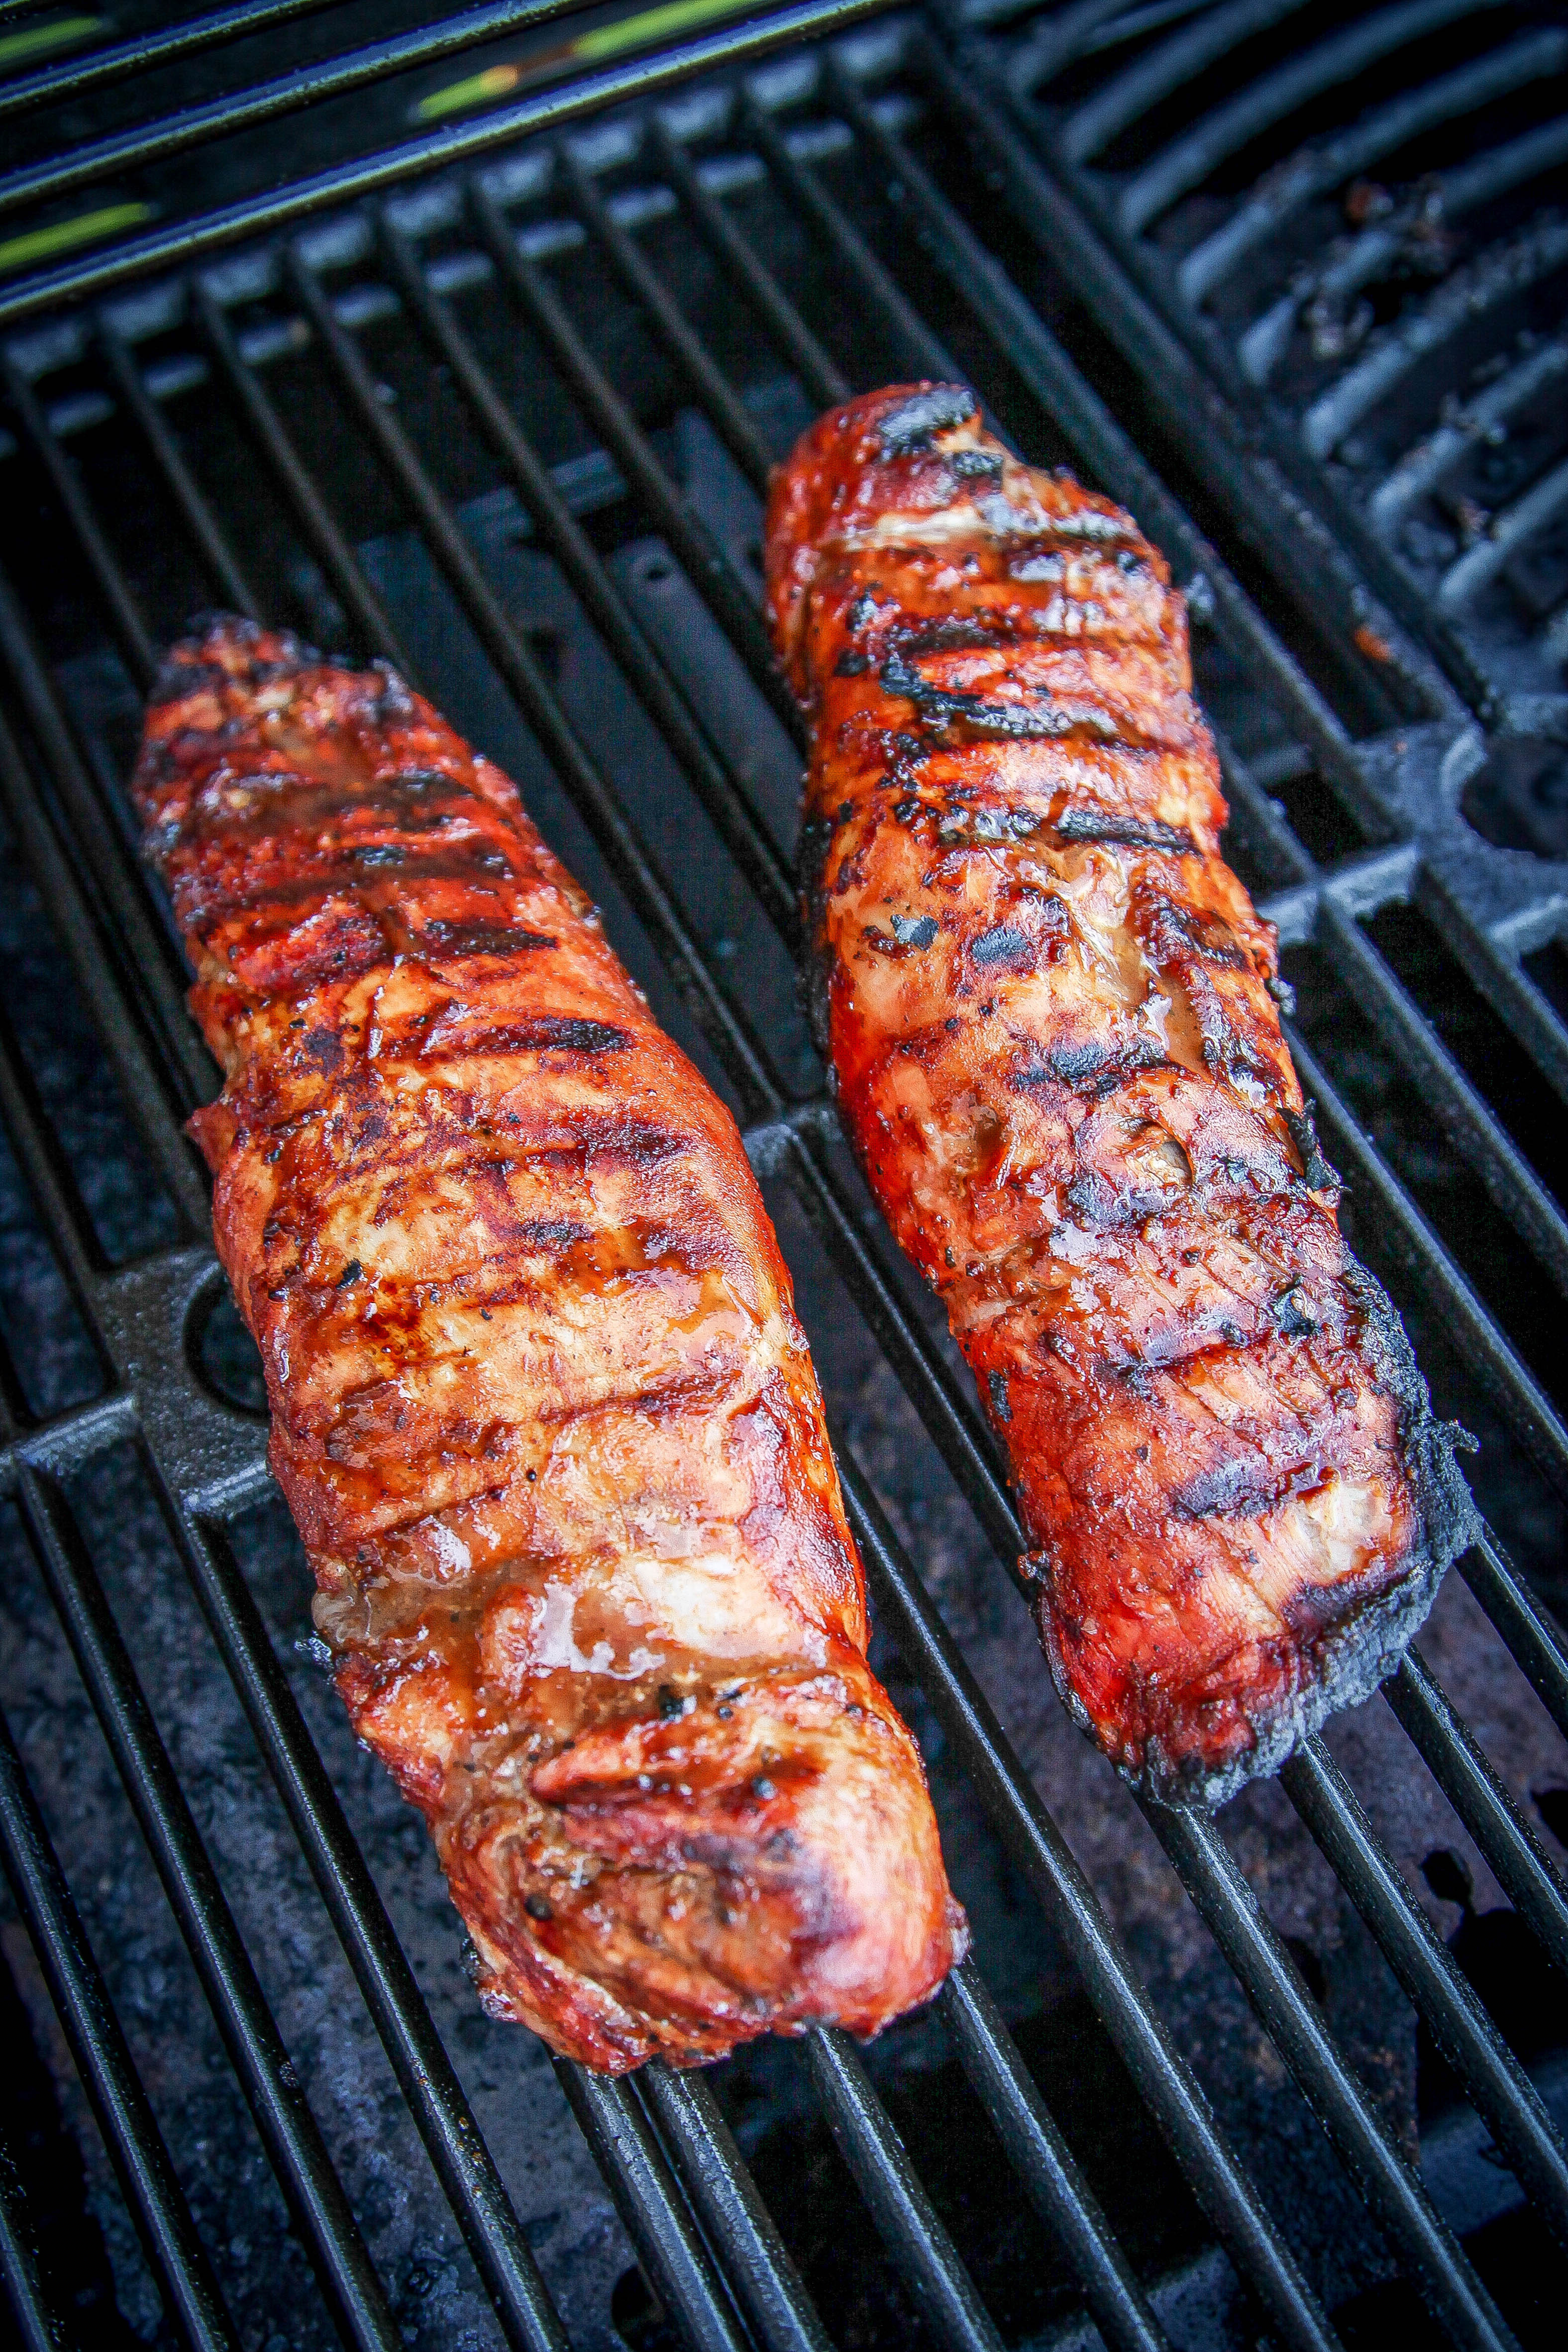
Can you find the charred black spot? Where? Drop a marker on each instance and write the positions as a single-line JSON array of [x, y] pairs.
[[975, 465], [908, 932], [1179, 935], [393, 705], [321, 1050], [957, 636], [538, 1906], [441, 937], [1133, 833], [908, 427], [350, 1275], [1072, 1065], [1096, 1070], [851, 664], [862, 612], [985, 824], [996, 1382], [554, 1234], [1228, 1490], [1026, 721], [552, 1033], [1004, 943], [1290, 1317], [382, 852], [1315, 1169]]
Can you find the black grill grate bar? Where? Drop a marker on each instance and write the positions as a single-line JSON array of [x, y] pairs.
[[1455, 1762], [1260, 476], [1437, 2262], [724, 799], [127, 622], [1475, 1130], [135, 1060], [107, 2072], [52, 1184], [707, 382], [910, 2228], [194, 126], [1162, 71], [1533, 1642], [135, 936], [1216, 136], [743, 267], [664, 2231], [316, 524], [1405, 1231], [1045, 2164], [218, 559], [1526, 517], [1494, 967], [55, 84], [762, 2275], [1422, 470], [183, 242], [1449, 311], [41, 2329], [923, 350], [1498, 2085], [289, 2130], [425, 2076], [708, 568], [1316, 171], [723, 1022], [1227, 2195]]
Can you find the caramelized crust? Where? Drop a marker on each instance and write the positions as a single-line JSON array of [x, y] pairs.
[[541, 1406], [1051, 1013]]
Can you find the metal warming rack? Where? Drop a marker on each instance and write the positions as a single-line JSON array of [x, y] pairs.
[[703, 2235]]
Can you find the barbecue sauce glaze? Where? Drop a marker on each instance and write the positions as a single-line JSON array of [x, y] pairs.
[[541, 1406], [1052, 1016]]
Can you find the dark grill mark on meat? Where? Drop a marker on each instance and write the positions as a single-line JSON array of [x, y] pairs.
[[444, 938], [1130, 832]]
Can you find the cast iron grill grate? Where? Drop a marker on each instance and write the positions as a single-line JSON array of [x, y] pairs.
[[1352, 219], [509, 428]]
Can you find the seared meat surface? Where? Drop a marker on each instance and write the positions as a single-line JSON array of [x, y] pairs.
[[541, 1406], [1052, 1015]]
